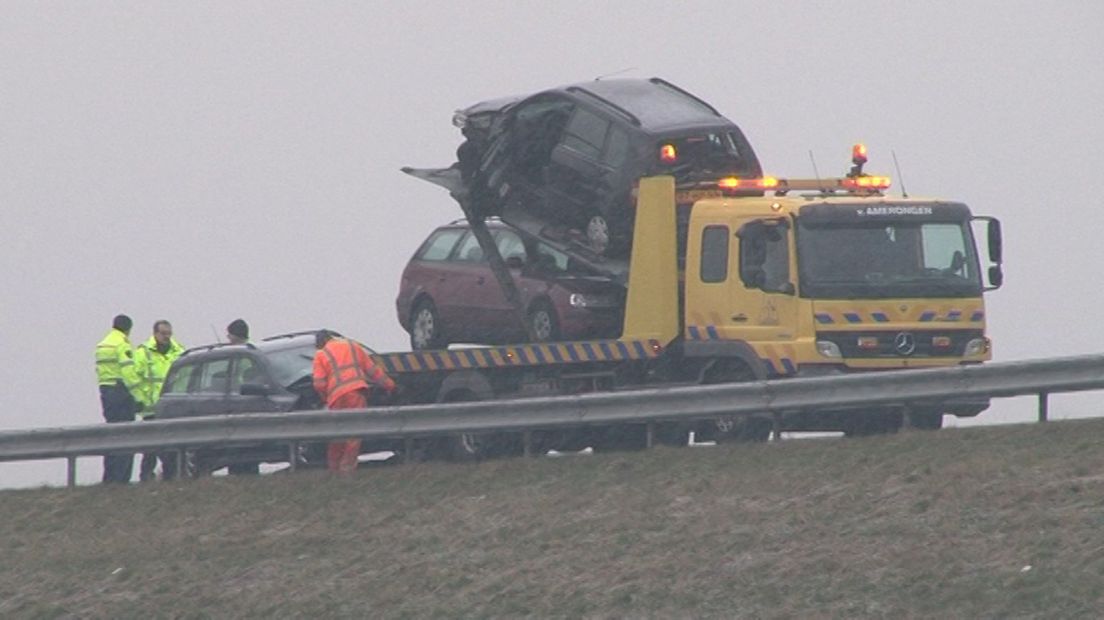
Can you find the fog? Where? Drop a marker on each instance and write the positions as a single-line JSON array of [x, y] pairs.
[[205, 161]]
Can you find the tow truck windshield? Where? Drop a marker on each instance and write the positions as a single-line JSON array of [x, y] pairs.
[[886, 259]]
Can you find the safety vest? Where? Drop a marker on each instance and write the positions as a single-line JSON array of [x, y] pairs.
[[342, 366], [152, 365], [115, 361]]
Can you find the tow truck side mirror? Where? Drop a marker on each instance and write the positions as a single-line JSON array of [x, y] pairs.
[[996, 276], [994, 242]]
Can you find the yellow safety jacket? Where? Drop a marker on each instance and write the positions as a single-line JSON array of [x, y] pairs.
[[115, 362], [152, 365]]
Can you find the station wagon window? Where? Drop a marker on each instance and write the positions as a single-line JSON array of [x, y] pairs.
[[214, 377], [586, 133], [509, 244], [714, 254], [469, 250], [178, 383], [440, 244]]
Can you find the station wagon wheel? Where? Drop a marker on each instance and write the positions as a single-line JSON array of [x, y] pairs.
[[543, 323], [425, 327]]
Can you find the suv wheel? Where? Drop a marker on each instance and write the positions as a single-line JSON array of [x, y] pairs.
[[598, 234], [543, 323], [425, 327]]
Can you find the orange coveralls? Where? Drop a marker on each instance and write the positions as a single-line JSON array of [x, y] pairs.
[[343, 375]]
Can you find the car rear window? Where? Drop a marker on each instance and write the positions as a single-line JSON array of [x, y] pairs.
[[440, 244], [710, 152]]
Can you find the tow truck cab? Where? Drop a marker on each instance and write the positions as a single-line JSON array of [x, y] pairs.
[[839, 280]]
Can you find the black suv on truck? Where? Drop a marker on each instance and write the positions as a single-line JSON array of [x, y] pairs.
[[570, 156], [270, 375]]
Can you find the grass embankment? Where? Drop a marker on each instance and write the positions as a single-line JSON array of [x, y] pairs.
[[981, 522]]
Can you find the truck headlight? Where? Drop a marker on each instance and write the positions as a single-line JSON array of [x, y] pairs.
[[827, 348], [977, 346]]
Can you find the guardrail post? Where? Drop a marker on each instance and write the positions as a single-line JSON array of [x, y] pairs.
[[527, 444], [408, 450], [649, 434], [776, 425], [293, 455], [71, 472], [906, 419], [1043, 405], [179, 463]]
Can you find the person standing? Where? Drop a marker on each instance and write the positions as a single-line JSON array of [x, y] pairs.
[[343, 375], [119, 385], [237, 332], [152, 360]]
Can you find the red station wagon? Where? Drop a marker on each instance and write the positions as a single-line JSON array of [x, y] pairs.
[[449, 294]]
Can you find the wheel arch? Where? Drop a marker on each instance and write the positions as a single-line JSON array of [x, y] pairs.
[[465, 382], [726, 349]]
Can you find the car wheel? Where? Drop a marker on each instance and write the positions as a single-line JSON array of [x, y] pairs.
[[425, 327], [543, 323]]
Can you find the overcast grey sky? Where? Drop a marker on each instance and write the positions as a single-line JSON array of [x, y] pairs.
[[205, 161]]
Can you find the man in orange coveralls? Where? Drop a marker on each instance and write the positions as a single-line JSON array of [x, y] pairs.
[[343, 376]]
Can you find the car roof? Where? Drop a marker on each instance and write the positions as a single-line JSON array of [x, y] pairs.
[[653, 104], [271, 343]]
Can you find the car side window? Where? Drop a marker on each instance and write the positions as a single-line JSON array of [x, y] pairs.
[[440, 244], [246, 370], [550, 258], [617, 148], [178, 382], [468, 251], [509, 244], [214, 377], [586, 133], [714, 254]]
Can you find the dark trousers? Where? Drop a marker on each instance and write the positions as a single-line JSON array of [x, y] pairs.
[[118, 406], [149, 462]]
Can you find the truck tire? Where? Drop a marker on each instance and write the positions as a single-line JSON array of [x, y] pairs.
[[730, 428], [426, 329]]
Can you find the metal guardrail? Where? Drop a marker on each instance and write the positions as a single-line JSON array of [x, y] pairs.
[[894, 388]]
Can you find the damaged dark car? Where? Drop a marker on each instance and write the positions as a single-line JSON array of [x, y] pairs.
[[563, 163]]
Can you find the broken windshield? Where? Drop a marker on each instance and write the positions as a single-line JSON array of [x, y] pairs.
[[882, 259]]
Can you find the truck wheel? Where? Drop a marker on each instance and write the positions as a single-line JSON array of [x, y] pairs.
[[425, 327], [730, 428], [467, 447], [543, 323]]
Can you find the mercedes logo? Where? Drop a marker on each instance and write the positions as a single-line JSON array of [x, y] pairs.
[[905, 343]]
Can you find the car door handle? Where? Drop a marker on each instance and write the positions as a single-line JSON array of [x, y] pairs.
[[480, 280], [440, 278], [739, 318]]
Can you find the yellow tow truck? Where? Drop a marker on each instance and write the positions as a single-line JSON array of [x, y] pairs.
[[804, 277]]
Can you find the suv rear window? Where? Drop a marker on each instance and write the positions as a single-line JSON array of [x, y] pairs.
[[708, 152]]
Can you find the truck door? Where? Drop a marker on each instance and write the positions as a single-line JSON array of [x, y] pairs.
[[762, 297], [739, 287]]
